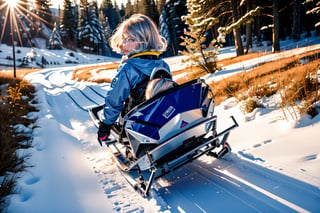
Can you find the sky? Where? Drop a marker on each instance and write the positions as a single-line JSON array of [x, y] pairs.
[[273, 165]]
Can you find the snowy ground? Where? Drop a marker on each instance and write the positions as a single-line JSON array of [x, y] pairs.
[[37, 58], [273, 166]]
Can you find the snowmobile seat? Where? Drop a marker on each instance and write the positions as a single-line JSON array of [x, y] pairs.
[[166, 114], [137, 94]]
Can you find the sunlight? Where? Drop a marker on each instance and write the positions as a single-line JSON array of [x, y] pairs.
[[21, 19], [12, 3]]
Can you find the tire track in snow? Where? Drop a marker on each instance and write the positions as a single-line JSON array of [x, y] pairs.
[[278, 184], [66, 74], [265, 192], [51, 80], [246, 185], [192, 184], [74, 98], [99, 94]]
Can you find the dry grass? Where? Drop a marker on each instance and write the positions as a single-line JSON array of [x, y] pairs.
[[295, 82], [237, 59], [188, 74], [13, 108], [20, 72], [266, 79], [86, 73]]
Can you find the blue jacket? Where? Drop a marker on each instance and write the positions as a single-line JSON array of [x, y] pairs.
[[130, 73]]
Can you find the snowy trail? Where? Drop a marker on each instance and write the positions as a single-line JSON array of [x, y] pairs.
[[228, 184], [245, 185]]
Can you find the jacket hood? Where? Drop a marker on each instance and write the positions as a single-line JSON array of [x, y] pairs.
[[146, 66]]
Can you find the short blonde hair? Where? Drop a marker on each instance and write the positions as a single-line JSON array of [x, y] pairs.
[[143, 30], [158, 85]]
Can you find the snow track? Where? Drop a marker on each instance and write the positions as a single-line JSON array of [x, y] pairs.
[[230, 183], [235, 184], [82, 95]]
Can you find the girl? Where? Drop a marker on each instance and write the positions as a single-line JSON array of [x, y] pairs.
[[138, 39]]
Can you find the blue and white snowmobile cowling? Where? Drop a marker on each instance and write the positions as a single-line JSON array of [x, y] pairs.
[[168, 114]]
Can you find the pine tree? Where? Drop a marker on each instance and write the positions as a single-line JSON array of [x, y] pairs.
[[148, 8], [160, 5], [117, 10], [314, 10], [172, 13], [195, 37], [236, 30], [44, 13], [164, 28], [69, 24], [105, 25], [275, 33], [99, 39], [128, 10], [237, 22], [55, 38], [248, 29], [110, 12], [91, 33], [24, 14], [296, 19], [24, 6], [85, 30], [136, 6], [122, 11]]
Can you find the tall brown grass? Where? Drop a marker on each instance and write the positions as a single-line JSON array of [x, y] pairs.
[[16, 101], [86, 73], [293, 79]]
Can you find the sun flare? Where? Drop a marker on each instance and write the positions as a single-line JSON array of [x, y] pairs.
[[12, 3], [22, 16]]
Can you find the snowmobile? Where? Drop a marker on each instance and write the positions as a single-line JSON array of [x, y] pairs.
[[169, 130]]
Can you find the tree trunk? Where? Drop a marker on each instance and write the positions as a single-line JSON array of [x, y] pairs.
[[296, 23], [248, 30], [275, 34], [236, 32], [257, 23]]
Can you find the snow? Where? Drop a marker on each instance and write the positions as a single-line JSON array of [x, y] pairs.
[[273, 166], [54, 58]]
